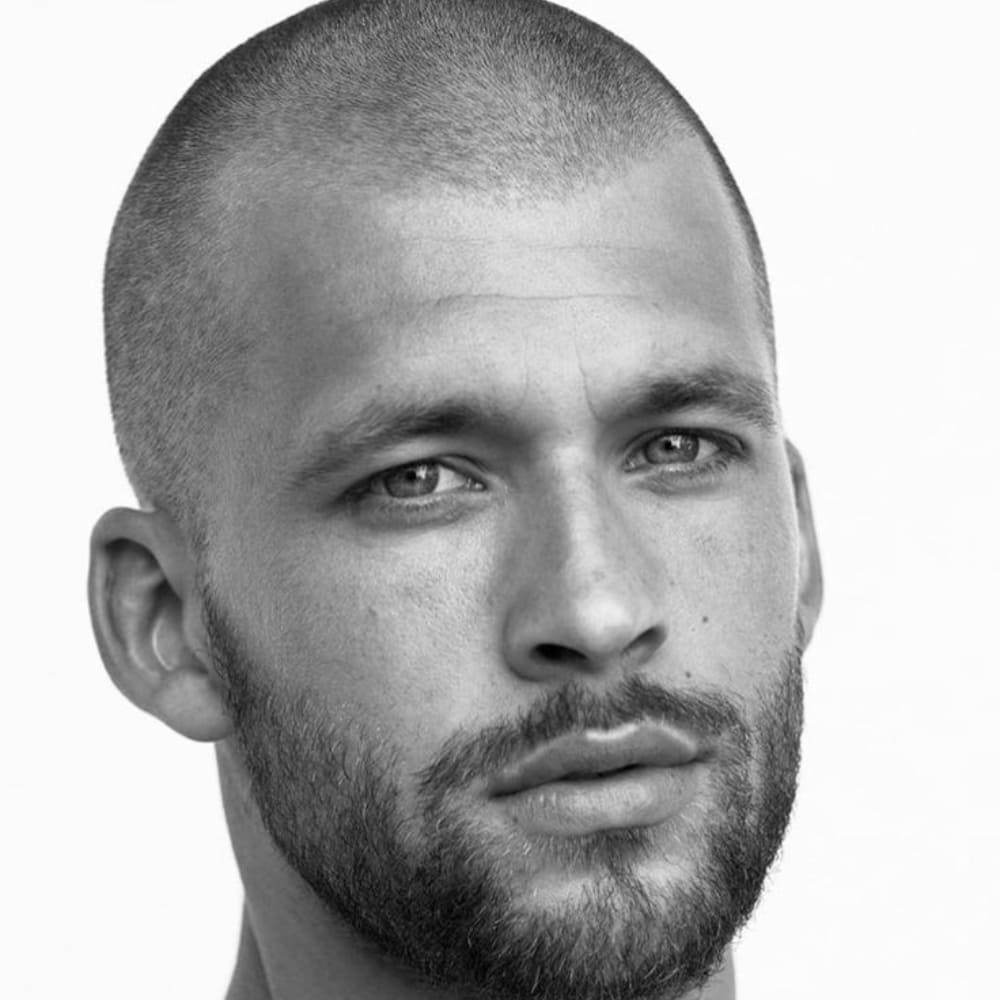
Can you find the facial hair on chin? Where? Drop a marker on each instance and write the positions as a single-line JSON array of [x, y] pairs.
[[431, 893]]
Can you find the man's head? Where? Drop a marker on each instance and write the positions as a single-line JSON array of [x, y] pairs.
[[439, 346]]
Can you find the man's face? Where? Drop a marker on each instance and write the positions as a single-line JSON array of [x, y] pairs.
[[505, 475]]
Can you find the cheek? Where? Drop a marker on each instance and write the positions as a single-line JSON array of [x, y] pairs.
[[735, 607], [394, 639]]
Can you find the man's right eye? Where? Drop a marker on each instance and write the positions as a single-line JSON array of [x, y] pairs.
[[417, 480]]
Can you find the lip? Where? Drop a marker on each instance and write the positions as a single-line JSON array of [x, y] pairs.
[[589, 755]]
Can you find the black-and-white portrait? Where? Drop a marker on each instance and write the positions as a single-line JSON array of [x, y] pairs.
[[503, 501]]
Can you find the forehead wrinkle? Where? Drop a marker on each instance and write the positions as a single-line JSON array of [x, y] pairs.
[[402, 311], [429, 305]]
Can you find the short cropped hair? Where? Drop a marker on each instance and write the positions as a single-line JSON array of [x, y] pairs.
[[513, 98]]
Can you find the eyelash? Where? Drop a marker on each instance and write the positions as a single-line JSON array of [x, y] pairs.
[[729, 449]]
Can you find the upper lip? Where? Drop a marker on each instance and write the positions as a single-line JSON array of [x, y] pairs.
[[596, 750]]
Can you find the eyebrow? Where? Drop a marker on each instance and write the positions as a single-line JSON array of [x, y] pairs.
[[747, 398], [383, 424]]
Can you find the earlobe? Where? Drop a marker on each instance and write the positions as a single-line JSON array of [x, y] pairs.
[[143, 600], [810, 566]]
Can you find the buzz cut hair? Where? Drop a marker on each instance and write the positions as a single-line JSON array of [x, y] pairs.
[[516, 99]]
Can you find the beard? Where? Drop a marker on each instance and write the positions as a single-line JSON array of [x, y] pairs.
[[433, 891]]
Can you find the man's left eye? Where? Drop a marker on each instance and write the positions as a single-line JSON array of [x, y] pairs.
[[676, 448]]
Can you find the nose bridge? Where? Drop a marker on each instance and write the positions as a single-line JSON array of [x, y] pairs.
[[586, 540], [586, 587]]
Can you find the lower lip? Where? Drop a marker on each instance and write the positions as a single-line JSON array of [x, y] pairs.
[[642, 796]]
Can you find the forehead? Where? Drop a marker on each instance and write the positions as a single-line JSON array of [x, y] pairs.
[[352, 294]]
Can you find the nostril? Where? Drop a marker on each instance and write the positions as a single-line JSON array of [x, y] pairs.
[[552, 652], [647, 643]]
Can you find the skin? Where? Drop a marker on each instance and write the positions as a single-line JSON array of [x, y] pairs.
[[398, 614]]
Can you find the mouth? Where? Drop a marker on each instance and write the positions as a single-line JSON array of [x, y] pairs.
[[637, 775], [587, 775], [597, 754]]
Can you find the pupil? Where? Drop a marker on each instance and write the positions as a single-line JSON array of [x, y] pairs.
[[673, 448]]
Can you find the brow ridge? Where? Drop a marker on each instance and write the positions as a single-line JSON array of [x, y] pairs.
[[381, 424]]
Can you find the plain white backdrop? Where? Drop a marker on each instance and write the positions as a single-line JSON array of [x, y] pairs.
[[864, 136]]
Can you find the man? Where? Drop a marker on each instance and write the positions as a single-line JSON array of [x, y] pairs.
[[439, 347]]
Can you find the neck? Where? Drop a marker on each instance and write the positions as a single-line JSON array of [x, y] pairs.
[[249, 980]]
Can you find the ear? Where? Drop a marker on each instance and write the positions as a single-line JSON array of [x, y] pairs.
[[146, 613], [810, 569]]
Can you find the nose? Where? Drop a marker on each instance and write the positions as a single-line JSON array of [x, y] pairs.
[[586, 597]]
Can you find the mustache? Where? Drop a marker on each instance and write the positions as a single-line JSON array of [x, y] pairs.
[[469, 756]]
